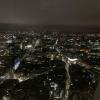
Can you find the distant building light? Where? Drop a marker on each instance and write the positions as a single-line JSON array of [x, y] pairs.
[[28, 46], [72, 59], [21, 46], [9, 41], [14, 37], [17, 63], [20, 80]]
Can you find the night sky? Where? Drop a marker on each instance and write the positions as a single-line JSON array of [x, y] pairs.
[[50, 12]]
